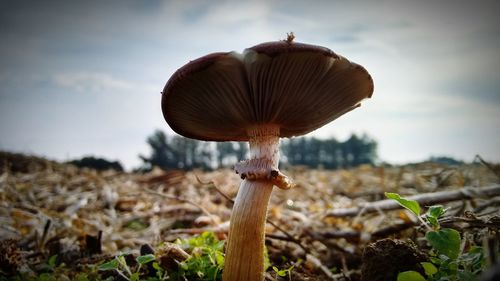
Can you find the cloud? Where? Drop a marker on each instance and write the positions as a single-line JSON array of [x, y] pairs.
[[237, 13], [84, 82]]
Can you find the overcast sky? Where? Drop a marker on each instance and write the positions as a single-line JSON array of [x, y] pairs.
[[84, 77]]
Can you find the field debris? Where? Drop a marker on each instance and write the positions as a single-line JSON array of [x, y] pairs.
[[84, 216]]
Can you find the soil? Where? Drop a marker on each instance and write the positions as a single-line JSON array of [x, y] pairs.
[[384, 259]]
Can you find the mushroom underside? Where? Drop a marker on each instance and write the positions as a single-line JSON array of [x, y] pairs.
[[299, 92]]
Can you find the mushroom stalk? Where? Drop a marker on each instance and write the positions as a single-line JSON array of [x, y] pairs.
[[245, 248]]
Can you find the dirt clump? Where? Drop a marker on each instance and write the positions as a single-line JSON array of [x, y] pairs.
[[384, 259]]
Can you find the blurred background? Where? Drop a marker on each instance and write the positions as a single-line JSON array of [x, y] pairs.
[[84, 78]]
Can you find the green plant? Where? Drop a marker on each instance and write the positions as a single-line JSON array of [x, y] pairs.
[[287, 271], [206, 261], [447, 260], [119, 264]]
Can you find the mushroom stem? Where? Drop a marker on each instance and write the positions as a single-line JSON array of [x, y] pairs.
[[245, 248]]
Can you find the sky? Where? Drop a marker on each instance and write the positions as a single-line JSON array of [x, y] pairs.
[[84, 77]]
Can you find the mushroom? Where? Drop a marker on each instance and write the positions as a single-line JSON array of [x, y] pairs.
[[272, 90]]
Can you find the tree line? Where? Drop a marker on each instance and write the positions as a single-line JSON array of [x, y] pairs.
[[176, 152]]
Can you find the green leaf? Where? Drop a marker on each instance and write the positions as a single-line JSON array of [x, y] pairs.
[[136, 225], [219, 259], [159, 270], [157, 266], [466, 276], [474, 260], [410, 276], [134, 276], [110, 265], [446, 241], [46, 277], [436, 211], [429, 268], [206, 261], [433, 214], [52, 261], [81, 277], [121, 260], [279, 272], [145, 259], [411, 205], [433, 221]]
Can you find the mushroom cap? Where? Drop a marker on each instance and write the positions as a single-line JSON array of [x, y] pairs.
[[295, 86]]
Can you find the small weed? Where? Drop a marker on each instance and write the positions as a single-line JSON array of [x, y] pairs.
[[119, 264], [205, 262], [287, 271], [447, 261]]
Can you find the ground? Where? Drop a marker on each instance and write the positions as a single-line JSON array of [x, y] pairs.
[[82, 216]]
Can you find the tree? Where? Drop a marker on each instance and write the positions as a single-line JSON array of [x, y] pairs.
[[228, 153], [177, 152], [357, 151], [161, 154], [329, 153], [99, 164]]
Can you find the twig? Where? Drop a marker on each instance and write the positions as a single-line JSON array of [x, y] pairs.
[[45, 232], [290, 238], [279, 237], [470, 222], [423, 199], [395, 228], [182, 199], [347, 234], [317, 263], [482, 207], [456, 222], [224, 230], [488, 165], [193, 231], [212, 184], [356, 235]]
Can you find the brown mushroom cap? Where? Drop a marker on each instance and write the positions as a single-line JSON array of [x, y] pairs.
[[298, 87]]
